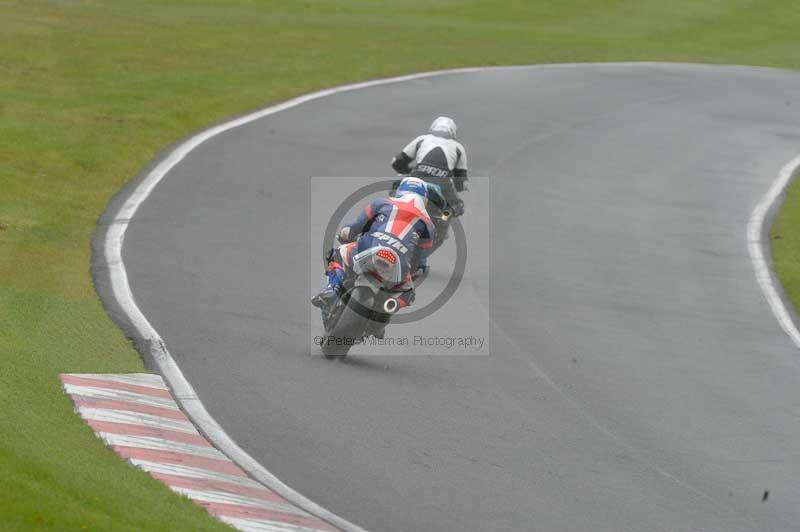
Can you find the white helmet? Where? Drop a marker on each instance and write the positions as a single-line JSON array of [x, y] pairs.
[[444, 127]]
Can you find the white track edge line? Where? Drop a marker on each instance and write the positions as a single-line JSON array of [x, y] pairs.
[[184, 392], [757, 242]]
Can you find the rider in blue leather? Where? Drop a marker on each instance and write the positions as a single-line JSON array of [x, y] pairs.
[[401, 223]]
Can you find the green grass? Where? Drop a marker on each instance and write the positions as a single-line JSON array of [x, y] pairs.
[[90, 90], [785, 242]]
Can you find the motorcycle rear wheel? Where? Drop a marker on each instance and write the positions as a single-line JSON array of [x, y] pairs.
[[442, 228], [350, 326]]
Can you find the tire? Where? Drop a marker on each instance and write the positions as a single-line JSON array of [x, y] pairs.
[[350, 326], [442, 233]]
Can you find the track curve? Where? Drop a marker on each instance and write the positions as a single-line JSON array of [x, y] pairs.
[[637, 381]]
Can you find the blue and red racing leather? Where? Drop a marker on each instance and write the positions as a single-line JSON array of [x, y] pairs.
[[400, 223]]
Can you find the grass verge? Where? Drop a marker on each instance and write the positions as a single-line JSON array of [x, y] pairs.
[[91, 90], [784, 238]]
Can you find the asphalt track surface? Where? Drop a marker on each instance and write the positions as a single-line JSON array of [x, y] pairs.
[[637, 379]]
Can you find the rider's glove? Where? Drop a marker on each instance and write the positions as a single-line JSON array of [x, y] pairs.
[[401, 163], [460, 182]]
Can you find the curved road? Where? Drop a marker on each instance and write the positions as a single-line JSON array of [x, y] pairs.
[[637, 379]]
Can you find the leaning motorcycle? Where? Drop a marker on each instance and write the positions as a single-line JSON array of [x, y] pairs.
[[366, 303]]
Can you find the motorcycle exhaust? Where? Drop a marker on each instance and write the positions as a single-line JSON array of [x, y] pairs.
[[390, 306]]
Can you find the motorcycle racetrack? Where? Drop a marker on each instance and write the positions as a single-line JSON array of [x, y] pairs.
[[637, 379]]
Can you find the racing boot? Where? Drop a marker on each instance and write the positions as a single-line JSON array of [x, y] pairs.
[[327, 297]]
